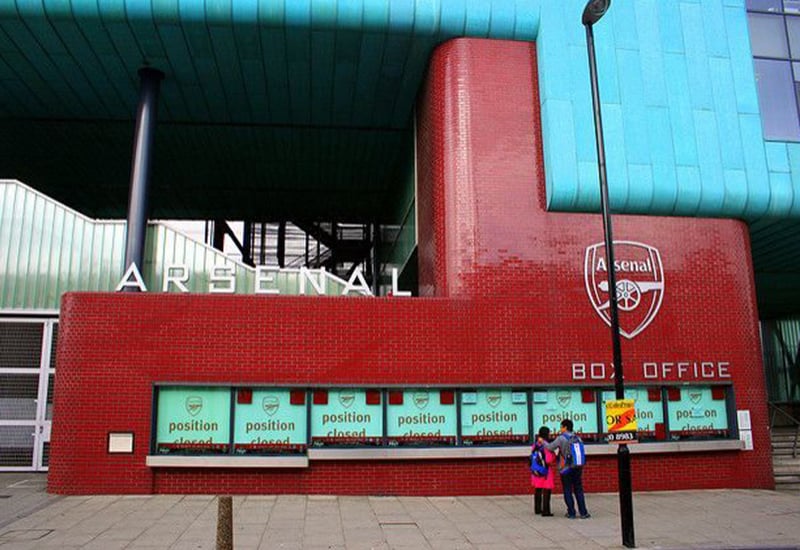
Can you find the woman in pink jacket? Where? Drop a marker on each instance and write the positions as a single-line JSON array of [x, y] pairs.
[[543, 484]]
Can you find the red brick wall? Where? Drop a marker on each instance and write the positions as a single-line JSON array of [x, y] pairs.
[[512, 308]]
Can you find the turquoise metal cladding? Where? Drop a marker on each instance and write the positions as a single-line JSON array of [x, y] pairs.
[[680, 111], [47, 249], [321, 62]]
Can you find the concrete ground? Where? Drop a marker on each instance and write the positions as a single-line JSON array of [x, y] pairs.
[[30, 518]]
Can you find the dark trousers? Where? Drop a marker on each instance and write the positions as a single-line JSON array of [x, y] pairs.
[[573, 483], [541, 502]]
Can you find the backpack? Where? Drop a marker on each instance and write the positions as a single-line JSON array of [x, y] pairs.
[[575, 457], [538, 461]]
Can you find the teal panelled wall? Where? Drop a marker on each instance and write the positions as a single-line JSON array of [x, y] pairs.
[[321, 62], [47, 249], [680, 112]]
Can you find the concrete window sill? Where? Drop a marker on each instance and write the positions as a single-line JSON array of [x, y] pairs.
[[302, 461]]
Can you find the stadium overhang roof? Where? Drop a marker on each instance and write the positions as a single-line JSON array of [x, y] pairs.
[[267, 107]]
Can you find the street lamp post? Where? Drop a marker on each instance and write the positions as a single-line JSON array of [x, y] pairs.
[[594, 10]]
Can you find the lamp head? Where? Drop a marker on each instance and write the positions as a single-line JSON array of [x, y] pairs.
[[594, 10]]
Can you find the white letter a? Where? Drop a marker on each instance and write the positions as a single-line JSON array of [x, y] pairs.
[[137, 279], [361, 286]]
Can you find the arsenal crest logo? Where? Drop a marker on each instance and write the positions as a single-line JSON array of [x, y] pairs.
[[695, 396], [563, 398], [421, 400], [493, 398], [640, 284], [270, 404], [346, 398], [194, 404]]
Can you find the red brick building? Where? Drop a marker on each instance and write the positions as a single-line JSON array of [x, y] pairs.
[[510, 310]]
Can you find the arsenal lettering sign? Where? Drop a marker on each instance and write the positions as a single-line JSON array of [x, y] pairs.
[[640, 284]]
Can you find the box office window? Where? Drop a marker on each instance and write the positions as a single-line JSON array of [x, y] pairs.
[[698, 412], [551, 406], [649, 405], [494, 416], [203, 420], [270, 421], [346, 417], [421, 417], [193, 420]]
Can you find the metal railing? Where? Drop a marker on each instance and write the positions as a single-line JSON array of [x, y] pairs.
[[775, 408]]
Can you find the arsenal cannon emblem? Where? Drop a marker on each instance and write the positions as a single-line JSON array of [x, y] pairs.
[[640, 284]]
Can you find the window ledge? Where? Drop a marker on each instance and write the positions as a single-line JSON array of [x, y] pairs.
[[517, 451], [670, 447], [442, 453]]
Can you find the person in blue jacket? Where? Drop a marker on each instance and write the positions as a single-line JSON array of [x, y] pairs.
[[571, 476]]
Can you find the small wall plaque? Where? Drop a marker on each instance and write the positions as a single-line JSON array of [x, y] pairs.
[[120, 442]]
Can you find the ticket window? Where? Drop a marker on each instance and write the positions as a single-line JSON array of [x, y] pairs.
[[551, 406], [649, 406], [345, 417], [421, 417], [270, 421], [193, 421], [698, 412], [494, 416]]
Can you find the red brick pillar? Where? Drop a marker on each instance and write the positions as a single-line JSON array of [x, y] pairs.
[[479, 166]]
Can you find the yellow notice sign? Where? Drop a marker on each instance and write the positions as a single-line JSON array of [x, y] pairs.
[[621, 419]]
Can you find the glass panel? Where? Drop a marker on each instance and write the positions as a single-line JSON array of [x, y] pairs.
[[699, 413], [764, 5], [494, 416], [342, 417], [781, 340], [796, 70], [793, 29], [791, 6], [193, 420], [20, 345], [776, 97], [649, 412], [551, 406], [54, 342], [18, 393], [16, 445], [45, 454], [421, 417], [786, 338], [51, 380], [270, 421], [767, 35]]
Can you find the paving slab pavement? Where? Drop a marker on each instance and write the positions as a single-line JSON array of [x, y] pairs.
[[30, 519], [22, 494]]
